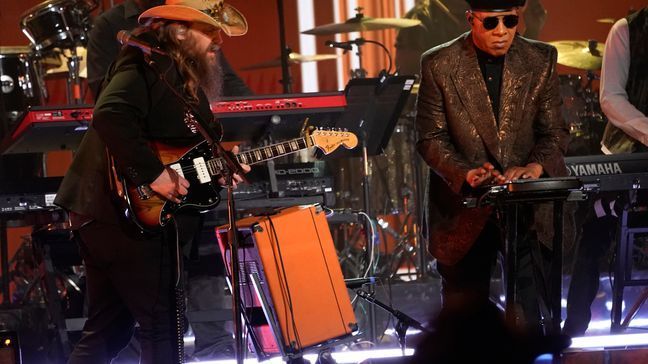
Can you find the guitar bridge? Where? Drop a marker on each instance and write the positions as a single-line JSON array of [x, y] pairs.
[[144, 192]]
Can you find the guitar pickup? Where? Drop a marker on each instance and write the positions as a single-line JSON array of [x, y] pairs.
[[178, 168], [202, 173]]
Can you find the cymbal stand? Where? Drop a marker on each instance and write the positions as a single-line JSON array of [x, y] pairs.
[[74, 90], [286, 79], [358, 72]]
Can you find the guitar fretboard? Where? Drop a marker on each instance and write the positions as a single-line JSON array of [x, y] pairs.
[[258, 155]]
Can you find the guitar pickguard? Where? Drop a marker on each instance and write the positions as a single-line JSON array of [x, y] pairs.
[[202, 195]]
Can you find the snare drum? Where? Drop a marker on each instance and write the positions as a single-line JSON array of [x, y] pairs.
[[62, 23], [20, 81]]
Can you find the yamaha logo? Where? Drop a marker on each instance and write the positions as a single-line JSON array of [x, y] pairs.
[[7, 84], [594, 169]]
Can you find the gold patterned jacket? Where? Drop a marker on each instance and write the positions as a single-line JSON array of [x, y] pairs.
[[458, 131]]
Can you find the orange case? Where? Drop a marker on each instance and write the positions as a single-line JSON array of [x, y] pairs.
[[293, 253]]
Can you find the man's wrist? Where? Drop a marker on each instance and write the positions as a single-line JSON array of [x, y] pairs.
[[537, 168]]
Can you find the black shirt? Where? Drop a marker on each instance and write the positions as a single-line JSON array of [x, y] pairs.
[[492, 68]]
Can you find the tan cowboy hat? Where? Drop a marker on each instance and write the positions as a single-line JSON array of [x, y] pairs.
[[212, 12]]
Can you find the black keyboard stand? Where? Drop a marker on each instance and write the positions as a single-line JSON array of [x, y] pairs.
[[508, 198]]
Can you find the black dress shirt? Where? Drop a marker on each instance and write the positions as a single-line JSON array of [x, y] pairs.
[[492, 68]]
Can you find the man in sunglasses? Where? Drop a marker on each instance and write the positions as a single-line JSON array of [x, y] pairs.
[[443, 21], [488, 112]]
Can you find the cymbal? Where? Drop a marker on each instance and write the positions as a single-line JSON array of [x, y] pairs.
[[63, 67], [606, 20], [293, 58], [585, 55], [16, 50], [361, 23]]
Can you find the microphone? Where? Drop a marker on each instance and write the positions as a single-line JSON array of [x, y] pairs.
[[354, 283], [342, 45], [125, 38]]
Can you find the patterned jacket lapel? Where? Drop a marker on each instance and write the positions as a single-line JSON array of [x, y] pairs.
[[472, 91]]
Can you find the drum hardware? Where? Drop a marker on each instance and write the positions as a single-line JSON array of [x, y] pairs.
[[606, 20], [360, 23], [62, 24], [293, 58], [584, 55], [398, 233], [582, 112], [74, 90], [57, 23], [21, 84], [58, 61]]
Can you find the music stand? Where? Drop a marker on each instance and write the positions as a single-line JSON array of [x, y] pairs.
[[373, 108]]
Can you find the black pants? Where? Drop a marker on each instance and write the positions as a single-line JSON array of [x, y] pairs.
[[129, 280], [598, 234], [466, 284]]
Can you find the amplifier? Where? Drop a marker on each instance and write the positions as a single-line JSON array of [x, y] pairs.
[[291, 282]]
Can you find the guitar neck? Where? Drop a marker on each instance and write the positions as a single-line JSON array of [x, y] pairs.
[[262, 154]]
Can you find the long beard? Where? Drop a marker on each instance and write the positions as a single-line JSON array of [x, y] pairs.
[[211, 72], [207, 67], [204, 68]]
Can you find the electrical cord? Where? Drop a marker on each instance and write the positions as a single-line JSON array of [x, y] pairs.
[[389, 57]]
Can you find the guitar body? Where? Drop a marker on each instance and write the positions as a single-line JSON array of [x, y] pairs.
[[198, 165], [156, 211]]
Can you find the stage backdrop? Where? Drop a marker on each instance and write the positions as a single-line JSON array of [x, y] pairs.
[[575, 19]]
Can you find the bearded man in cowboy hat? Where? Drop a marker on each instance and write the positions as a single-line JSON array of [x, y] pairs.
[[488, 111], [131, 276]]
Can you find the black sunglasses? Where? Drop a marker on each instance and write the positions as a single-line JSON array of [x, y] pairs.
[[491, 22]]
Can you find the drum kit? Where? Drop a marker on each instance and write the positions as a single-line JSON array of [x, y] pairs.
[[58, 32], [581, 108]]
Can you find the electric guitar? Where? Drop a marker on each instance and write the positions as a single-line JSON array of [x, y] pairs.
[[201, 169]]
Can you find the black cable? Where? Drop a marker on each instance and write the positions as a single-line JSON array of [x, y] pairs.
[[386, 51]]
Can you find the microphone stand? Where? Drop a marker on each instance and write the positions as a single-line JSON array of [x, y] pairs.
[[286, 79], [233, 167], [404, 321]]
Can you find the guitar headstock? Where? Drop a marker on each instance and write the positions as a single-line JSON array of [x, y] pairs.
[[329, 140]]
